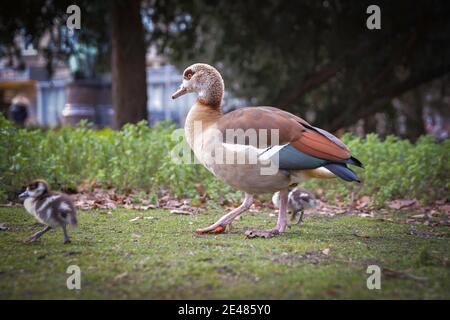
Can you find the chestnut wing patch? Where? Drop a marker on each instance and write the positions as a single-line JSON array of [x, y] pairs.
[[263, 120], [317, 145], [293, 130]]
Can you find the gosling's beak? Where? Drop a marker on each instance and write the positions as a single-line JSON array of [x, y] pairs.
[[24, 195], [181, 90]]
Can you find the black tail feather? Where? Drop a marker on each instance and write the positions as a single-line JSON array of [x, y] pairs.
[[342, 171], [355, 162]]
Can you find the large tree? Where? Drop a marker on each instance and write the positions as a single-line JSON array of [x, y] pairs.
[[129, 85]]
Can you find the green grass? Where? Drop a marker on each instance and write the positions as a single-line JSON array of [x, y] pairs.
[[164, 259]]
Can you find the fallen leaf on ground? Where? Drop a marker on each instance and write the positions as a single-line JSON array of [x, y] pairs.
[[365, 215], [136, 219], [6, 205], [361, 235], [425, 234], [402, 274], [147, 207], [120, 276], [173, 204], [363, 202], [326, 251], [446, 208], [401, 203], [183, 212], [259, 234]]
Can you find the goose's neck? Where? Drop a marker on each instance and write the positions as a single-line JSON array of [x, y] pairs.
[[212, 93], [199, 119], [205, 113]]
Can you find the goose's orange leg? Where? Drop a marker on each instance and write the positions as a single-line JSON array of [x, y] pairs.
[[227, 219]]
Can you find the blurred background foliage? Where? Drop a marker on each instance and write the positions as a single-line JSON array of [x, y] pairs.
[[317, 58], [314, 58]]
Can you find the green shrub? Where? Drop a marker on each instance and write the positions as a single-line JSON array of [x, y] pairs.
[[394, 168], [139, 158]]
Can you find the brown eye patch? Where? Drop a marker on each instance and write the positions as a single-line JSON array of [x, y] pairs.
[[32, 186], [188, 74]]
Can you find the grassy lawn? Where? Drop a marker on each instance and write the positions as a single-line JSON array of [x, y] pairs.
[[159, 257]]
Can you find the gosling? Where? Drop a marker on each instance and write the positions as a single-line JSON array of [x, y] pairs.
[[52, 209], [298, 201]]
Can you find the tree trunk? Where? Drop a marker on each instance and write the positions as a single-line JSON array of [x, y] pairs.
[[129, 81], [413, 112], [370, 124]]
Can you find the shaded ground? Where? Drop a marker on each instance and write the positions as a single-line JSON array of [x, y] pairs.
[[158, 256]]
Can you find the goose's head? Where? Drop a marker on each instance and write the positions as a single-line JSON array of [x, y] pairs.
[[205, 80], [35, 189]]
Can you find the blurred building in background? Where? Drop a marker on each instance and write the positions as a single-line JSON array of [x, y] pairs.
[[60, 99], [45, 94]]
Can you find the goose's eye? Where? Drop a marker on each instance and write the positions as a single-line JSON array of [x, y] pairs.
[[188, 74]]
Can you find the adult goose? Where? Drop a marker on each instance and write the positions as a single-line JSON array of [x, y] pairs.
[[257, 149]]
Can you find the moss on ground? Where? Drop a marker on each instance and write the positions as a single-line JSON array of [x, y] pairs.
[[159, 257]]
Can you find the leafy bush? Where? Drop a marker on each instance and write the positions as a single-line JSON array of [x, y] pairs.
[[394, 168], [138, 157]]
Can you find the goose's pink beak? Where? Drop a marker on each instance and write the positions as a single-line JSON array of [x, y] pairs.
[[182, 90]]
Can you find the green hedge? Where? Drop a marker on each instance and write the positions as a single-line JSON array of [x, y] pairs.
[[138, 157], [394, 168]]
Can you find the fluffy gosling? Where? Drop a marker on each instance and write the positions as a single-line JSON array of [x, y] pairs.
[[52, 209], [298, 200]]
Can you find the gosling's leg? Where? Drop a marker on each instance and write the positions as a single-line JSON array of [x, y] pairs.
[[281, 223], [66, 236], [225, 220], [37, 235], [298, 216]]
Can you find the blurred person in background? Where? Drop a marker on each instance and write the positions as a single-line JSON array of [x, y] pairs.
[[18, 110]]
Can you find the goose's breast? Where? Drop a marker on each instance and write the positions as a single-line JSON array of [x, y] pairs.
[[30, 206], [241, 166], [250, 178]]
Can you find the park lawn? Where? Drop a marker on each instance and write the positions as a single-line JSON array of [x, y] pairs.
[[159, 257]]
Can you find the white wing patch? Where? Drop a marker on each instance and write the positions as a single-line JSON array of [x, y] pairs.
[[30, 205], [47, 201], [49, 213], [271, 151], [263, 153], [64, 206]]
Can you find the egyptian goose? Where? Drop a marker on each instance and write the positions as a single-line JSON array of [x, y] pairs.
[[256, 149], [52, 209], [298, 201]]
